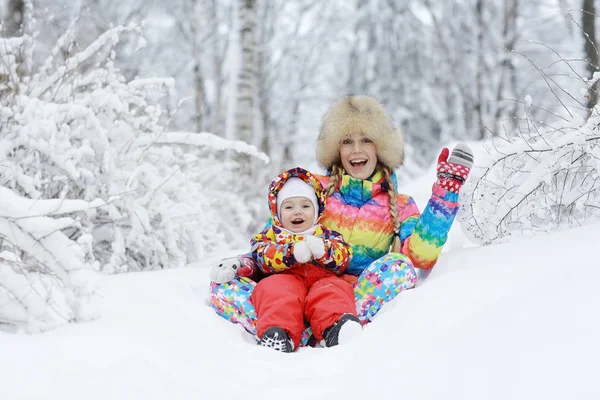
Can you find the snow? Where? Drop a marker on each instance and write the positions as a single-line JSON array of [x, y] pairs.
[[206, 140], [515, 320], [58, 283], [92, 179]]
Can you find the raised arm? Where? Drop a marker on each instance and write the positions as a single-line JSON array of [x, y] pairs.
[[423, 236]]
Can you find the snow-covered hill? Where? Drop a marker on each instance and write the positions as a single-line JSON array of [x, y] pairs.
[[514, 321]]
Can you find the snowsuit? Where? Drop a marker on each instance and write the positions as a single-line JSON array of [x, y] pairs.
[[294, 292], [359, 210], [298, 291]]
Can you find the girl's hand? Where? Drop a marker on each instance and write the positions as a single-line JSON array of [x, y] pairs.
[[452, 172]]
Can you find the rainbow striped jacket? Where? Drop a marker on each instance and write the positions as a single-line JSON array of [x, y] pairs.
[[359, 210]]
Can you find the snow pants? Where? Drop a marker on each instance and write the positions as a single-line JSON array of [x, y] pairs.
[[287, 300], [378, 284]]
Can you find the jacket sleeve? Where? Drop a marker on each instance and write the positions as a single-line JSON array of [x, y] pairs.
[[271, 257], [249, 266], [424, 235], [337, 252]]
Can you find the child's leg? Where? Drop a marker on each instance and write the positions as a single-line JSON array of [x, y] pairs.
[[231, 300], [279, 301], [327, 300], [380, 282]]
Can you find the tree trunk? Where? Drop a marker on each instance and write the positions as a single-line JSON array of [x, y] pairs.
[[14, 18], [506, 110], [288, 160], [252, 179], [479, 105], [591, 52], [216, 108], [247, 76], [200, 97]]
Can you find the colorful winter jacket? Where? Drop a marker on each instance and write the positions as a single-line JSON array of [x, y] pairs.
[[272, 249], [359, 210]]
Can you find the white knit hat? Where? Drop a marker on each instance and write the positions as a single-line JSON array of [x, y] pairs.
[[296, 187]]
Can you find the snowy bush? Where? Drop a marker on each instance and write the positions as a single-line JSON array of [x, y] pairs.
[[91, 179], [46, 279], [544, 180]]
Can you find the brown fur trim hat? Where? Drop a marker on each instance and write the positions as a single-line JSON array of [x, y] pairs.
[[359, 114]]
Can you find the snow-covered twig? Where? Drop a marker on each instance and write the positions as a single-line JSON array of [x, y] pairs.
[[541, 181]]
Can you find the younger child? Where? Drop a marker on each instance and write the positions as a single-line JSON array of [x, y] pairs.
[[302, 261]]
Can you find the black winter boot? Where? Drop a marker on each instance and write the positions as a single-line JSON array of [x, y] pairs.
[[331, 335], [277, 339]]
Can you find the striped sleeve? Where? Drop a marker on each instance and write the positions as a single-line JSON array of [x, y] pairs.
[[423, 236]]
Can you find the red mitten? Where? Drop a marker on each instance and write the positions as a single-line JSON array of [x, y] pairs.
[[247, 269], [453, 171]]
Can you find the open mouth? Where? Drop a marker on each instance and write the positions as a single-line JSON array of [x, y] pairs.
[[358, 163], [297, 221]]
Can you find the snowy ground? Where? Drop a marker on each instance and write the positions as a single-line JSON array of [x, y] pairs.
[[515, 321]]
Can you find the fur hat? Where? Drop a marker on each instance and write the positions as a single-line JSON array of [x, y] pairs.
[[361, 114]]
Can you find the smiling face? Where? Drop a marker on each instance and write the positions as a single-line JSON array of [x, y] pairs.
[[359, 155], [297, 214]]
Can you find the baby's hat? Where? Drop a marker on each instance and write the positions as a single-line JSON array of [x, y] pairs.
[[296, 187]]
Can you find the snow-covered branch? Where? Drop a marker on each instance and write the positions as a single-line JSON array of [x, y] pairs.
[[92, 180], [54, 280], [204, 140], [545, 180]]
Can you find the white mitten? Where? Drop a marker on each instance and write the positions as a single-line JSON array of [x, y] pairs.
[[317, 246], [302, 252], [224, 270]]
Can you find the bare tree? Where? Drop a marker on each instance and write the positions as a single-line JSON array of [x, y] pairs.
[[507, 82], [247, 85], [14, 18], [591, 52], [480, 103], [219, 46], [295, 75], [195, 52]]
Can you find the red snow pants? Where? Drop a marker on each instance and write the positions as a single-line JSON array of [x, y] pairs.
[[303, 293]]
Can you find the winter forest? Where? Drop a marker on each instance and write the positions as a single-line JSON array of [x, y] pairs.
[[141, 135]]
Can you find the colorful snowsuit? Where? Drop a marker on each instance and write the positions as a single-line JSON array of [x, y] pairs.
[[294, 292], [297, 292], [359, 210]]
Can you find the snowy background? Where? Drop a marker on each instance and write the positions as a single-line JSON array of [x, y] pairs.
[[137, 140]]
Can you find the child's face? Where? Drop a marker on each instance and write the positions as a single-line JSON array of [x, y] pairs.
[[297, 214]]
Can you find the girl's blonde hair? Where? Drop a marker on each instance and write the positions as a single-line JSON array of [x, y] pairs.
[[395, 248], [336, 175]]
